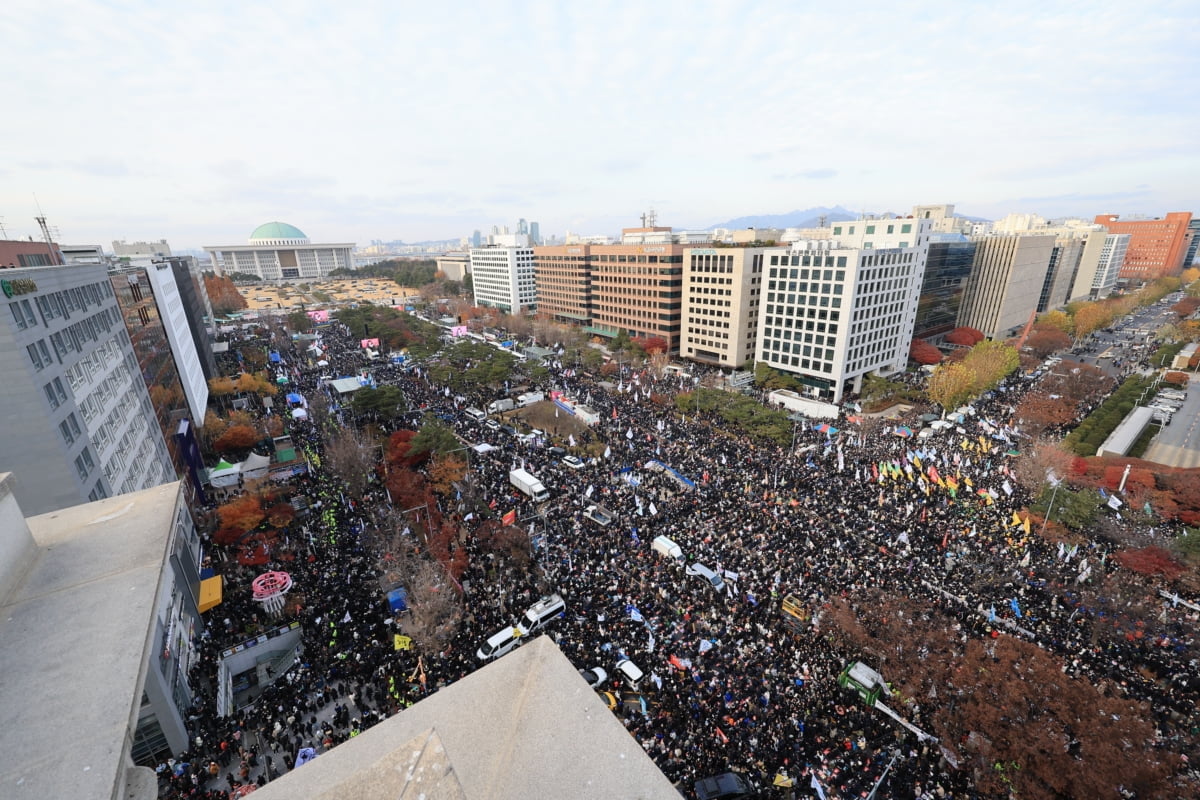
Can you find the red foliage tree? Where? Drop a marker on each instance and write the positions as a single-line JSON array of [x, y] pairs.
[[238, 517], [1187, 306], [923, 352], [1038, 411], [1178, 378], [237, 437], [399, 450], [651, 344], [1150, 561], [1045, 339], [965, 336]]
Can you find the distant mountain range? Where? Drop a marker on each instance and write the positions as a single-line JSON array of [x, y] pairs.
[[808, 218]]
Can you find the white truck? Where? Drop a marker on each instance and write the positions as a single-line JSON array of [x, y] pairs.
[[529, 398], [496, 406], [529, 484]]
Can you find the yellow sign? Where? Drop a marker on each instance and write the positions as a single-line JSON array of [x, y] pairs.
[[402, 642]]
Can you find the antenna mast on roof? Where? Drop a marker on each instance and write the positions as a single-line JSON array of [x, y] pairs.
[[821, 220], [651, 218], [41, 221]]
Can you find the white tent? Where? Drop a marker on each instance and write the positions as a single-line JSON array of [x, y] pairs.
[[255, 466], [224, 474], [299, 413], [482, 447]]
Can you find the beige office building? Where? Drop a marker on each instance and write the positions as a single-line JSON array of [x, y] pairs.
[[722, 288], [1006, 282]]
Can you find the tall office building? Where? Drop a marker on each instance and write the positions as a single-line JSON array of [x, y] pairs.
[[197, 309], [502, 274], [278, 251], [535, 233], [1193, 243], [947, 270], [1007, 276], [839, 309], [1064, 264], [87, 428], [1156, 246], [1108, 267], [722, 290], [564, 282]]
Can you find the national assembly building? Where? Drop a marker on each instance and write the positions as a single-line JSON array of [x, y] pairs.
[[278, 251]]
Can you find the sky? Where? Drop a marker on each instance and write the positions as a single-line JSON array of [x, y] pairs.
[[361, 120]]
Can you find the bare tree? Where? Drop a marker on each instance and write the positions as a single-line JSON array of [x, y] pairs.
[[435, 610], [1034, 463], [351, 455]]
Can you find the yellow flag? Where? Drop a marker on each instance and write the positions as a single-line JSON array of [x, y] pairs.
[[1016, 519], [1026, 525], [402, 642]]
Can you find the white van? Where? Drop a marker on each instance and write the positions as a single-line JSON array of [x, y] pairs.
[[542, 612], [499, 643], [666, 547], [476, 414], [707, 574], [630, 671]]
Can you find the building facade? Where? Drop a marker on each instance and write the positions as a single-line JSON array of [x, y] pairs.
[[947, 270], [1113, 247], [564, 282], [502, 276], [278, 251], [1007, 276], [637, 289], [722, 288], [839, 309], [15, 253], [1157, 247], [81, 424]]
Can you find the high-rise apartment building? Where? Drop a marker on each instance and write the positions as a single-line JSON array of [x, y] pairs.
[[81, 424], [502, 275], [947, 270], [722, 289], [838, 309], [278, 251], [1006, 282], [1156, 246]]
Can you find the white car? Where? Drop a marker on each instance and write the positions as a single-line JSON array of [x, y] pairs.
[[707, 574], [573, 462], [630, 671], [595, 677]]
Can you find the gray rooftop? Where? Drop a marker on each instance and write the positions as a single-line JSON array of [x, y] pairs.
[[75, 628], [346, 385], [525, 726], [1125, 434]]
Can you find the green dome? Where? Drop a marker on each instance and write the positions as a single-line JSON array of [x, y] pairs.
[[277, 230]]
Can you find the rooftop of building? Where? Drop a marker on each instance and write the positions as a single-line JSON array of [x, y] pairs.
[[76, 626], [526, 725]]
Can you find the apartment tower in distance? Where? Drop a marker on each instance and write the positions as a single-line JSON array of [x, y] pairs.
[[1157, 247]]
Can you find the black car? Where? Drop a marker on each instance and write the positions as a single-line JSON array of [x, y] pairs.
[[726, 786], [509, 429]]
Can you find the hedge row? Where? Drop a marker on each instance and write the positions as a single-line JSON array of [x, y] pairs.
[[1099, 425]]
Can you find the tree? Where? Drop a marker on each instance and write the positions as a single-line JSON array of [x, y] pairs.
[[434, 609], [299, 322], [237, 437], [1090, 318], [351, 455], [434, 437], [951, 385], [381, 403], [991, 362], [1038, 411], [445, 471], [965, 336], [1059, 320], [1037, 460], [651, 344], [255, 383], [924, 353], [238, 517], [221, 386], [1186, 307], [223, 295], [1044, 340]]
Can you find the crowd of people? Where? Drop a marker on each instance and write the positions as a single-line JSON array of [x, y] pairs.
[[845, 509]]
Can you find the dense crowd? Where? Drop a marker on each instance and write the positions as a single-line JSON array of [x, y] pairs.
[[837, 513]]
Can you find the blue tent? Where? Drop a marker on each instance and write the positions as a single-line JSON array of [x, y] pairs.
[[293, 397], [275, 359], [398, 599]]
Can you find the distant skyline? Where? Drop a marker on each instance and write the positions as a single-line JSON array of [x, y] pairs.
[[370, 120]]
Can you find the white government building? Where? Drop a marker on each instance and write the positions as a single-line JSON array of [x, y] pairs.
[[279, 251]]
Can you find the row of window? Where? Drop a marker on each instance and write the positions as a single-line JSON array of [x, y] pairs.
[[70, 429], [804, 274], [22, 313], [72, 338], [905, 227], [807, 261], [78, 298], [84, 464], [796, 361]]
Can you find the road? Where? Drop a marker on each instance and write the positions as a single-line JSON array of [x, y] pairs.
[[1178, 444]]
